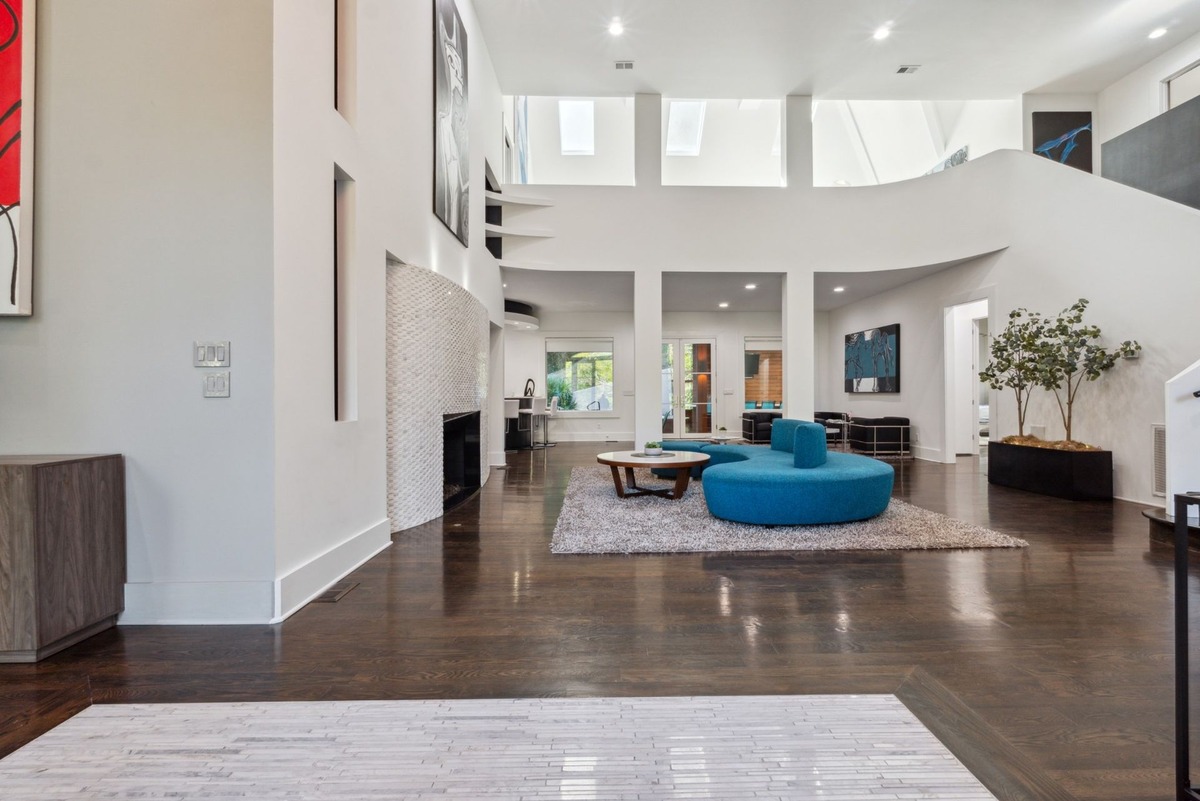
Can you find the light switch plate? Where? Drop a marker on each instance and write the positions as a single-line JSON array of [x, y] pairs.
[[216, 385], [210, 354]]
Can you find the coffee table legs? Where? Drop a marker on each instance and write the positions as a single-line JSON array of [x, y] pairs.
[[682, 477]]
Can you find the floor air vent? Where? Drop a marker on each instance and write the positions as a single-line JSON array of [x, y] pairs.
[[1158, 482], [335, 593]]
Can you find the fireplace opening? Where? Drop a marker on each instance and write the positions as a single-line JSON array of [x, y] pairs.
[[460, 458]]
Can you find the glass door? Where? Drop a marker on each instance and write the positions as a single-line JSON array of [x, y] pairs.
[[687, 388]]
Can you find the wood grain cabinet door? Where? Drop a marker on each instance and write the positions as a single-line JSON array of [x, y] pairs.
[[81, 544]]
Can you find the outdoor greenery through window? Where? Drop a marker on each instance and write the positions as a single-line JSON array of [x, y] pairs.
[[579, 372]]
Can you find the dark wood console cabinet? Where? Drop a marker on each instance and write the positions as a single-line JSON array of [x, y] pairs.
[[62, 551]]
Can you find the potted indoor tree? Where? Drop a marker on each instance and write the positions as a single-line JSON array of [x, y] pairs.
[[1060, 355]]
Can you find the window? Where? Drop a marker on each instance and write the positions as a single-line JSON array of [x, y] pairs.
[[577, 127], [685, 127], [579, 372]]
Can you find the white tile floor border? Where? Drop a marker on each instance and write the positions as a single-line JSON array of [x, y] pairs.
[[831, 747]]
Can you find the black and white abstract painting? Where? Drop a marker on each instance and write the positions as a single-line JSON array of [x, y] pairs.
[[450, 154]]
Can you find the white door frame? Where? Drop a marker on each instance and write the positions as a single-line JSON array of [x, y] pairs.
[[947, 453]]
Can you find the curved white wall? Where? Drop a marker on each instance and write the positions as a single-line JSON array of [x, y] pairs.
[[1061, 234]]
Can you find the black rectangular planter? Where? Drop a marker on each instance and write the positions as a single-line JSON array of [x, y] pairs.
[[1075, 475]]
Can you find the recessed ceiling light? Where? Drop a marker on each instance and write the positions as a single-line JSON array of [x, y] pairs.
[[1158, 32], [882, 32], [839, 289], [615, 27], [504, 285], [723, 305], [751, 286]]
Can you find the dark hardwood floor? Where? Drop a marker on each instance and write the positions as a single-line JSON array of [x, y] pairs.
[[1063, 649]]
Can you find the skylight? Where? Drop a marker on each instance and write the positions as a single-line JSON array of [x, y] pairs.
[[577, 127], [685, 127]]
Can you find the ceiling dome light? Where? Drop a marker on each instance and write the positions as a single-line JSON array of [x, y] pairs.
[[723, 305], [839, 289], [615, 27], [882, 32], [1158, 33], [751, 286]]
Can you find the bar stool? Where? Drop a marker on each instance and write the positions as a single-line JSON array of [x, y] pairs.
[[531, 414], [550, 414], [511, 416]]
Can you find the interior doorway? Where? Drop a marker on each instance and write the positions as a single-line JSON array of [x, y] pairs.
[[687, 388], [968, 407]]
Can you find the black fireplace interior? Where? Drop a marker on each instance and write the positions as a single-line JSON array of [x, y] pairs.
[[460, 458]]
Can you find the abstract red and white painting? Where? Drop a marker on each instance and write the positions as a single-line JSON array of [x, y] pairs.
[[16, 156]]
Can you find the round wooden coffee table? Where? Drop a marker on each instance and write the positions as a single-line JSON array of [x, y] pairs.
[[681, 461]]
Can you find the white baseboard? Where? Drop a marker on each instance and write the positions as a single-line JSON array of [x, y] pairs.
[[590, 436], [927, 454], [496, 459], [311, 579], [197, 603]]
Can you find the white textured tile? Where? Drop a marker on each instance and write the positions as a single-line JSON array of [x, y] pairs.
[[833, 748]]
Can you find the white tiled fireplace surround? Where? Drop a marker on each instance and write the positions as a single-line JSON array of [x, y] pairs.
[[437, 364]]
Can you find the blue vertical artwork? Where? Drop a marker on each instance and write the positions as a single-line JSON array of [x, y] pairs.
[[1065, 137], [873, 360]]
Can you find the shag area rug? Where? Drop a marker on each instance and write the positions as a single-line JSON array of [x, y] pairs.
[[594, 520]]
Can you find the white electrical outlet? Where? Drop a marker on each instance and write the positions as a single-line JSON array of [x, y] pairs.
[[216, 385]]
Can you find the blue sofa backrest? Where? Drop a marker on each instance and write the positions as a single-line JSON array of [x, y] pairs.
[[803, 439], [810, 447], [783, 434]]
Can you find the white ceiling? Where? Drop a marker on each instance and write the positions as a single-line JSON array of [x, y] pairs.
[[559, 291], [860, 286], [570, 291], [967, 49]]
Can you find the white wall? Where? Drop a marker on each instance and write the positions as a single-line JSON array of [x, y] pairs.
[[918, 308], [187, 197], [525, 357], [330, 486], [612, 163], [1138, 97], [154, 230], [739, 147], [868, 142], [984, 126]]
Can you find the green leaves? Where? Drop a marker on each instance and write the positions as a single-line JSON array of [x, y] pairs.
[[1057, 354]]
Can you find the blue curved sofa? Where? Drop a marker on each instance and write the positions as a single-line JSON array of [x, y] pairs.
[[795, 481]]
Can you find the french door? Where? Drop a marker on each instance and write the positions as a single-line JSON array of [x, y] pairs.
[[687, 388]]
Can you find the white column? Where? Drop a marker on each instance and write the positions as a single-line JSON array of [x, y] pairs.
[[798, 157], [647, 346], [647, 140], [495, 406], [799, 358]]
